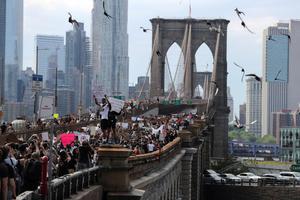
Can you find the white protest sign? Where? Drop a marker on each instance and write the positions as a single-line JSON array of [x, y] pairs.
[[116, 104], [46, 107], [45, 136], [83, 137], [125, 125]]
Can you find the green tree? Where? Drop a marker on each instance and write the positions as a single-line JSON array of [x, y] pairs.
[[267, 139]]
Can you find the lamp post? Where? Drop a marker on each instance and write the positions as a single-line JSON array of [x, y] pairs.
[[80, 98], [36, 72], [55, 94]]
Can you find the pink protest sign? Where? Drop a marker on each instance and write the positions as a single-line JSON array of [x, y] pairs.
[[67, 138]]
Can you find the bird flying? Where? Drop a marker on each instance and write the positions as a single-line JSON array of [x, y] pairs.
[[212, 28], [242, 70], [158, 53], [254, 76], [238, 12], [289, 36], [237, 123], [246, 27], [73, 21], [270, 38], [145, 29], [104, 11]]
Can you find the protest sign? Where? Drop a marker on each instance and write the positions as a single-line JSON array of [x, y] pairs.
[[116, 104], [67, 138], [45, 136]]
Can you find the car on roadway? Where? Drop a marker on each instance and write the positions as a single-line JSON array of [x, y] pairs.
[[249, 177], [293, 176], [231, 179], [213, 178], [209, 171], [275, 179]]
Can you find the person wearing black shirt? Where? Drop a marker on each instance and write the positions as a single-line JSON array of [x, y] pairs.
[[63, 166], [112, 119], [32, 173], [85, 154]]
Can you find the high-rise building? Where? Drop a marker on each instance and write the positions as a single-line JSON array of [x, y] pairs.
[[2, 49], [49, 49], [88, 74], [253, 106], [142, 88], [283, 118], [230, 104], [243, 113], [294, 63], [110, 47], [25, 93], [65, 101], [78, 65], [275, 60], [13, 47], [75, 47]]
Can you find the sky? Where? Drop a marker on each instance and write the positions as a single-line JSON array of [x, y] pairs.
[[50, 17]]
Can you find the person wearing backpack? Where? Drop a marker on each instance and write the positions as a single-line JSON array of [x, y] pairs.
[[16, 166], [32, 172]]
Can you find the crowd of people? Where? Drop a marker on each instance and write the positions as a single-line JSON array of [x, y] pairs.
[[21, 162]]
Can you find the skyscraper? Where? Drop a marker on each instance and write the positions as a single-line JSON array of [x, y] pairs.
[[13, 47], [253, 106], [75, 58], [230, 104], [110, 47], [50, 49], [294, 63], [275, 60], [2, 48], [243, 113]]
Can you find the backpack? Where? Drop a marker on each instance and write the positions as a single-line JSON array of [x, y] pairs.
[[29, 171]]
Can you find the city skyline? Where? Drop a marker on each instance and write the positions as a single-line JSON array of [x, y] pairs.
[[257, 19]]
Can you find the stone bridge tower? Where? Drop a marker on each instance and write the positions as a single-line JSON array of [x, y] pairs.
[[174, 30]]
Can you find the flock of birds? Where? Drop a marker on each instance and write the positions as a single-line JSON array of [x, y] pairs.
[[75, 22], [240, 15]]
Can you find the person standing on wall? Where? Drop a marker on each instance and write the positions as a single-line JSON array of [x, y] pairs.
[[105, 108]]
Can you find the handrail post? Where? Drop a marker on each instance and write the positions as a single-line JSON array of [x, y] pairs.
[[114, 173], [43, 183]]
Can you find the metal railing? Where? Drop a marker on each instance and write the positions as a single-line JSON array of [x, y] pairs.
[[65, 186]]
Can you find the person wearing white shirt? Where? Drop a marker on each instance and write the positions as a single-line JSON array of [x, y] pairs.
[[150, 147]]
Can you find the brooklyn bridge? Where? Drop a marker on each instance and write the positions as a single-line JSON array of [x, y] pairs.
[[175, 170]]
